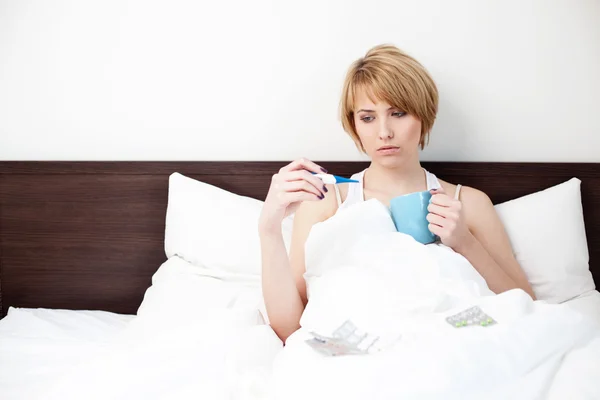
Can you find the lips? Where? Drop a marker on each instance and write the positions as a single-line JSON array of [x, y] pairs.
[[388, 150]]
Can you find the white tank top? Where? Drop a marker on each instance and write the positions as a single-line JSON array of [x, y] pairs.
[[356, 190]]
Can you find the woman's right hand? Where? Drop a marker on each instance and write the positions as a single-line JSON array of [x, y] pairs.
[[292, 185]]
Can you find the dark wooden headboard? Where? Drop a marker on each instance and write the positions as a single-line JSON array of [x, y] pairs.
[[89, 235]]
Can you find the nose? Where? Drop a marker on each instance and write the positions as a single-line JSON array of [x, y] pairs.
[[385, 132]]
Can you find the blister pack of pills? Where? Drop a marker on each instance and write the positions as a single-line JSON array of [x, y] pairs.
[[469, 317], [345, 340]]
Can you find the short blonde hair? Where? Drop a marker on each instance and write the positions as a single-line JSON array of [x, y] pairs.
[[390, 75]]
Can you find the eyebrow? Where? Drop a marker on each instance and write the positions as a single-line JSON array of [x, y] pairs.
[[363, 110]]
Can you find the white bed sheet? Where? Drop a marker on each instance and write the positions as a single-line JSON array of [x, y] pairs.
[[37, 346]]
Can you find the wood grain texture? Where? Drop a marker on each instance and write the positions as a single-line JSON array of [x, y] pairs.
[[89, 235]]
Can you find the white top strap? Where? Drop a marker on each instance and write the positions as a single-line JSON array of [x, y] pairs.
[[338, 196], [457, 192], [432, 180]]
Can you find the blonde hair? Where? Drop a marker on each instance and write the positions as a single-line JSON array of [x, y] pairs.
[[390, 75]]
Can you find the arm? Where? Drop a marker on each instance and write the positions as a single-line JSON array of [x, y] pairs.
[[488, 248], [284, 288], [282, 300], [293, 189], [472, 228]]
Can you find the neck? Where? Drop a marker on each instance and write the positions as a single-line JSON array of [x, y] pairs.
[[405, 178]]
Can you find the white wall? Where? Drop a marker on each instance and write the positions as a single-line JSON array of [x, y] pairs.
[[260, 80]]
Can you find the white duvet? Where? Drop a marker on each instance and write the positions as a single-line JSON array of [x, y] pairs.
[[391, 286], [422, 356], [199, 335]]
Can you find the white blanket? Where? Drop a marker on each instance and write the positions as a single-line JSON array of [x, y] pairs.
[[207, 360], [391, 286]]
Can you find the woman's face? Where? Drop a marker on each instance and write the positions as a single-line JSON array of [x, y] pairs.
[[388, 135]]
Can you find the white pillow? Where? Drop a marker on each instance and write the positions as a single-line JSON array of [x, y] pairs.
[[214, 228], [547, 233], [182, 291], [211, 227]]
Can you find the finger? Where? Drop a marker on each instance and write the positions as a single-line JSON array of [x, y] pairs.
[[439, 210], [441, 199], [439, 190], [294, 197], [436, 220], [302, 185], [303, 163], [435, 229], [307, 176]]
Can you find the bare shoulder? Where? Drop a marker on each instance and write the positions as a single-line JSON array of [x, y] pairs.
[[468, 195], [477, 207]]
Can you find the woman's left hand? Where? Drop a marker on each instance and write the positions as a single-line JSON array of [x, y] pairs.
[[446, 220]]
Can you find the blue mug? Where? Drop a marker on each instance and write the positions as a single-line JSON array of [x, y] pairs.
[[409, 213]]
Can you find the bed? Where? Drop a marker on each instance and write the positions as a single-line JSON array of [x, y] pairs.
[[99, 266]]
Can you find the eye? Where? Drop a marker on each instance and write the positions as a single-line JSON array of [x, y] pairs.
[[367, 118], [398, 114]]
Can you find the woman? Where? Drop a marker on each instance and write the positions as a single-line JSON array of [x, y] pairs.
[[388, 107]]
